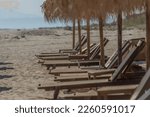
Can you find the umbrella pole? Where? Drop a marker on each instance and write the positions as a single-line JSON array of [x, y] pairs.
[[147, 34], [79, 32], [102, 56], [119, 37], [88, 38], [74, 28]]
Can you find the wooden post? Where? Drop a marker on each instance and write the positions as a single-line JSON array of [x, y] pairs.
[[147, 34], [88, 38], [102, 55], [74, 28], [119, 37], [79, 33]]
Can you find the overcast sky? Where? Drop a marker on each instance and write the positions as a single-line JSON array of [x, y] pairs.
[[22, 14], [23, 6]]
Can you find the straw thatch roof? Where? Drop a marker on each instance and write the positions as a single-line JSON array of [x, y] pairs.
[[83, 9]]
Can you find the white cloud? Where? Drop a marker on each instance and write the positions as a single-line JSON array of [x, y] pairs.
[[9, 4]]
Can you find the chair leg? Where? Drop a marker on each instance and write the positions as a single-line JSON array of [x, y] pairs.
[[56, 93]]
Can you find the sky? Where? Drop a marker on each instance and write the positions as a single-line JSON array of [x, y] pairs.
[[23, 14], [20, 14]]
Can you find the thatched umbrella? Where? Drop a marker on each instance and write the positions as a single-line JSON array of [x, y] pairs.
[[53, 11]]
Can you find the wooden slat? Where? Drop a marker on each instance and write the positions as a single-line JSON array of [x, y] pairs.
[[95, 73], [83, 84], [143, 86], [68, 63], [113, 59], [79, 78], [145, 96], [128, 60], [80, 96], [104, 91], [57, 72]]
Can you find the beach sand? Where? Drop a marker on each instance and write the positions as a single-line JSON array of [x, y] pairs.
[[20, 73]]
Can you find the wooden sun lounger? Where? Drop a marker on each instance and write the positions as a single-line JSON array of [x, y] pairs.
[[134, 90], [67, 56], [54, 64], [75, 50], [118, 92], [94, 51], [98, 83]]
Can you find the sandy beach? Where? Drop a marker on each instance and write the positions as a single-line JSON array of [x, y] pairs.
[[20, 73]]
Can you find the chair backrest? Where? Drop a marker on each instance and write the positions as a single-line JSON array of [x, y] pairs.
[[114, 58], [92, 45], [143, 86], [83, 41], [128, 60], [96, 52]]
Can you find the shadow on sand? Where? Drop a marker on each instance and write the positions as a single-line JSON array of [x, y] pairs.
[[6, 68], [3, 63], [6, 76], [4, 89]]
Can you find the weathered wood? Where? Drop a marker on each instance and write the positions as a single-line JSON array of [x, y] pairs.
[[128, 60], [50, 55], [147, 34], [102, 57], [57, 72], [105, 91], [79, 78], [79, 34], [80, 95], [94, 54], [88, 38], [59, 63], [145, 96], [143, 86], [74, 28], [114, 58], [84, 84], [119, 37], [87, 84], [96, 73]]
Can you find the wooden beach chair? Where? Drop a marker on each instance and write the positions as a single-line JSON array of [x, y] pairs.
[[114, 80], [136, 91], [62, 63], [65, 52], [94, 51], [68, 57]]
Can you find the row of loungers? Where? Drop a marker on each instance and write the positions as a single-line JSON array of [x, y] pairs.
[[112, 81]]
